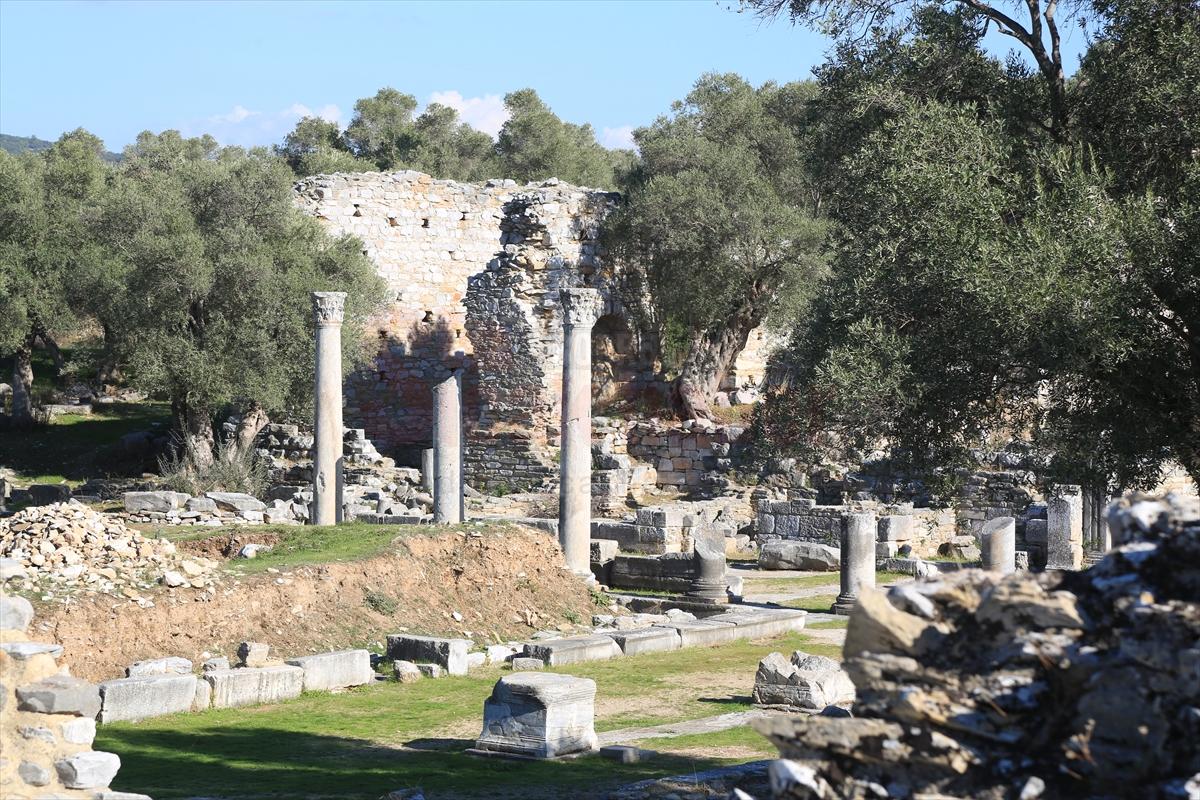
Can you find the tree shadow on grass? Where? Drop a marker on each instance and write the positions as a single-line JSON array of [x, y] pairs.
[[246, 762]]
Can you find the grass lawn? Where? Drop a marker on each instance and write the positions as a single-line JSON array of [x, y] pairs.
[[367, 742], [75, 447], [757, 585], [814, 603]]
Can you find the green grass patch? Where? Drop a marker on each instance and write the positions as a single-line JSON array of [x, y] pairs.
[[743, 736], [776, 585], [814, 604], [828, 624], [76, 447], [367, 742]]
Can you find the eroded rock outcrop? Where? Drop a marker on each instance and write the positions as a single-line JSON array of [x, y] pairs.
[[978, 685]]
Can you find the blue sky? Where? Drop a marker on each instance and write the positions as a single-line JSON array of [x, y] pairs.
[[246, 71]]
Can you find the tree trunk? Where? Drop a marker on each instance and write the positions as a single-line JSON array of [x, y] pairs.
[[109, 372], [22, 385], [50, 346], [711, 354], [253, 421], [195, 430]]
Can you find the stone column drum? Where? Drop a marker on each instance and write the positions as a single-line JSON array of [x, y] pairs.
[[447, 451], [581, 309], [858, 559], [328, 308], [998, 542], [1064, 528], [708, 564]]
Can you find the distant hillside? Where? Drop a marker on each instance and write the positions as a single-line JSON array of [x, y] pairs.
[[21, 144]]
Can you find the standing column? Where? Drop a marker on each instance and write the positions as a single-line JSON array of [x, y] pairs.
[[328, 308], [427, 469], [1064, 528], [447, 451], [858, 559], [581, 309], [999, 545]]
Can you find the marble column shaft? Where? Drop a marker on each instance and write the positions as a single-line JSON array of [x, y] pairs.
[[447, 450], [328, 309], [998, 545], [858, 559], [581, 309]]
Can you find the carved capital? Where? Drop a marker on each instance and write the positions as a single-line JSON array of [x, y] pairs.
[[581, 307], [329, 307]]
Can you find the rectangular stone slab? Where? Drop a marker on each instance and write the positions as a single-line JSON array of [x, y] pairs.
[[133, 699], [326, 671], [573, 649], [646, 640], [702, 632], [448, 653], [248, 686], [760, 623], [539, 715]]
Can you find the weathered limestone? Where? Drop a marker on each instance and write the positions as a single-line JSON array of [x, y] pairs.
[[999, 545], [448, 653], [328, 308], [702, 632], [447, 450], [253, 654], [59, 694], [133, 699], [327, 671], [646, 640], [136, 502], [805, 682], [15, 613], [858, 559], [573, 649], [248, 686], [427, 469], [539, 715], [172, 665], [1064, 528], [785, 554], [581, 309], [708, 560], [90, 770]]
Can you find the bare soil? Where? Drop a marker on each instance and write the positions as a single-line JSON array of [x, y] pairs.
[[506, 584]]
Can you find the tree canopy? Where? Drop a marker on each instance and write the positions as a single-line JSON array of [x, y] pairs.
[[720, 220], [991, 277]]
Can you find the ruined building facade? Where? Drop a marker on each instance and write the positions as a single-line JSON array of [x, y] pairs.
[[473, 272]]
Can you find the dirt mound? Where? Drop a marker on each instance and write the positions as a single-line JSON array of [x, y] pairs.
[[504, 583], [1026, 686]]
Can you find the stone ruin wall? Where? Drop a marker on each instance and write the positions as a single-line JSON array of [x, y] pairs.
[[473, 273]]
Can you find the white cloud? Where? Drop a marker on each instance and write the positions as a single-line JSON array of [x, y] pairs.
[[486, 113], [617, 138], [248, 128]]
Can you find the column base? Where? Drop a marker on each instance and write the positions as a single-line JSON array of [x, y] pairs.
[[710, 593], [844, 604]]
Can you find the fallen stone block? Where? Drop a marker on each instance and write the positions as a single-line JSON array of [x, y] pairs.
[[406, 671], [253, 654], [430, 670], [646, 640], [173, 665], [499, 653], [162, 502], [787, 554], [573, 649], [250, 686], [133, 699], [448, 653], [236, 501], [475, 660], [702, 632], [217, 662], [203, 697], [626, 754], [523, 664], [539, 715], [326, 671], [15, 613], [60, 694], [23, 651], [806, 682], [760, 623], [90, 770]]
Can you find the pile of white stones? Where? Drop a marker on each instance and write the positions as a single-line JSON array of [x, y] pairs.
[[67, 547]]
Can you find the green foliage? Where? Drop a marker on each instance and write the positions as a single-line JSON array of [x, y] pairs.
[[231, 470], [989, 282], [381, 602], [316, 146], [535, 144], [216, 267], [721, 220], [16, 145]]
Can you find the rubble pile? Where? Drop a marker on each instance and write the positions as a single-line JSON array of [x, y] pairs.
[[66, 547], [979, 685]]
